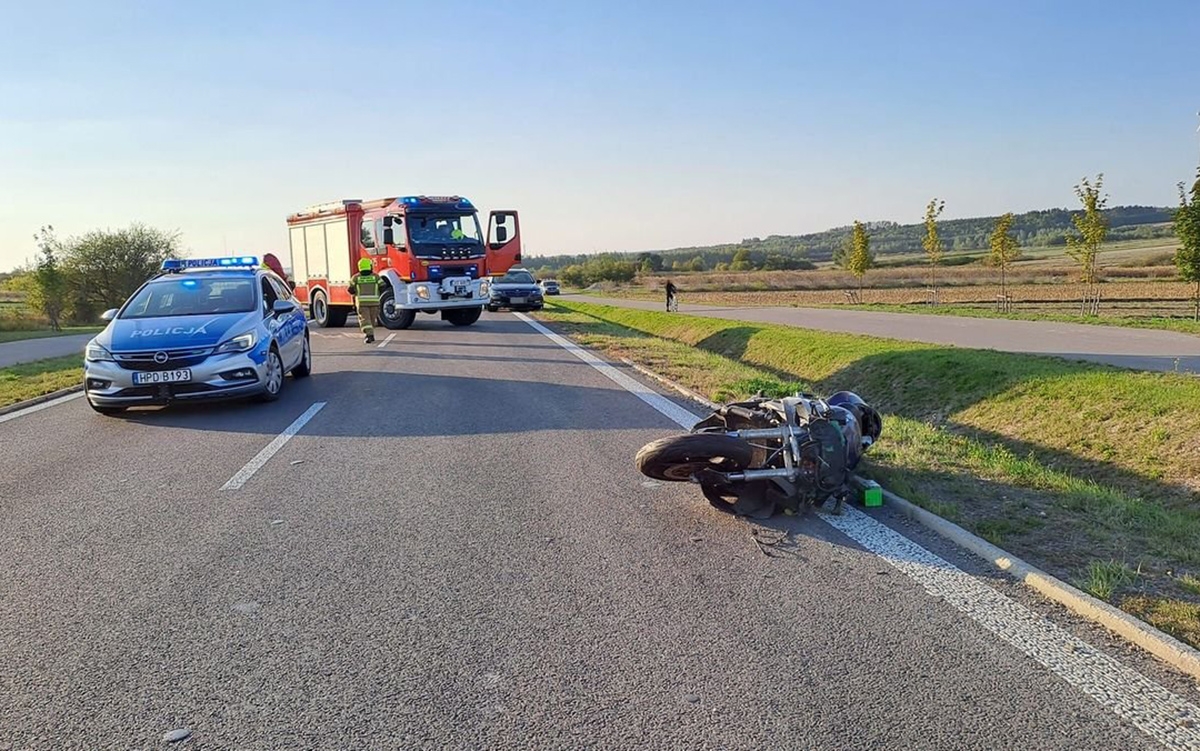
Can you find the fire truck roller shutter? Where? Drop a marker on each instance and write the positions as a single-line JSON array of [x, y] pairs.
[[299, 255], [337, 239], [314, 242]]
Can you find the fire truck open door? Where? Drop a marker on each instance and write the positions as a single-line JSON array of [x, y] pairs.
[[503, 241]]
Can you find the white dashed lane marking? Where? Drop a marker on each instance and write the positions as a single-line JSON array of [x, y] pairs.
[[262, 457], [1169, 719]]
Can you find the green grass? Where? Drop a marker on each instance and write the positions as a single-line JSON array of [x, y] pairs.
[[1166, 324], [1178, 618], [1105, 578], [31, 379], [1063, 463], [1190, 583], [16, 336]]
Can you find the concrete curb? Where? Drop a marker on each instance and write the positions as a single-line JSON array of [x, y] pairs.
[[1163, 646], [39, 399]]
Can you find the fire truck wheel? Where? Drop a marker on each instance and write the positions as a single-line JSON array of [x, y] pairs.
[[463, 316], [391, 316], [326, 316]]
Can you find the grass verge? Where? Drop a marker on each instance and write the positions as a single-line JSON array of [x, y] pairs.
[[1063, 463], [16, 336], [1182, 325], [32, 379]]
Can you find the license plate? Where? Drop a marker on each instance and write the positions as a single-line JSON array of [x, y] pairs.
[[162, 376], [460, 289], [517, 300]]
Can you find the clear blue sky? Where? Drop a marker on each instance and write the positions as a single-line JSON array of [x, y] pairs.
[[611, 125]]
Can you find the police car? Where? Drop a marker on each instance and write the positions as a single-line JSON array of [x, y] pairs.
[[214, 328]]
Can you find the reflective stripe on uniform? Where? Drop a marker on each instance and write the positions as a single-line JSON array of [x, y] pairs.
[[366, 288]]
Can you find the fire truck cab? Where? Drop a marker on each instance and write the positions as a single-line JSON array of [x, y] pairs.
[[430, 252]]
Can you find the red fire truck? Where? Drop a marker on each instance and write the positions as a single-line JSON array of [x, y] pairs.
[[428, 250]]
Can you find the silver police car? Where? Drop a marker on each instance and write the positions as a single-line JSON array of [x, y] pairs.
[[215, 328]]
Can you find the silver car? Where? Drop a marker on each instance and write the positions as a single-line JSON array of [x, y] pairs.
[[202, 329]]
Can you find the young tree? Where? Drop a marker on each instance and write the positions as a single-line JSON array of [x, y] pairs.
[[1187, 229], [742, 261], [1092, 227], [1005, 250], [932, 242], [841, 253], [49, 293], [861, 259], [107, 266]]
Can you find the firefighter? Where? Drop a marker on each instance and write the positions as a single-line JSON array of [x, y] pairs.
[[364, 288]]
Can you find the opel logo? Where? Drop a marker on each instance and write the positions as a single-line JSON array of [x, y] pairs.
[[161, 357]]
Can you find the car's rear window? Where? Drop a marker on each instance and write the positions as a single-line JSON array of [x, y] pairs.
[[192, 297], [518, 277]]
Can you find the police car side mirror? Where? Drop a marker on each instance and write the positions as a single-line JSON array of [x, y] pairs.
[[109, 314], [283, 306]]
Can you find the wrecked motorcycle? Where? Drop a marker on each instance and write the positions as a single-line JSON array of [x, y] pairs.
[[761, 456]]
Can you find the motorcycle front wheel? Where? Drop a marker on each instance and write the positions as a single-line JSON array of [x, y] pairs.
[[678, 458]]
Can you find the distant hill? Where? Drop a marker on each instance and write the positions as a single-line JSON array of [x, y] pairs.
[[1032, 229]]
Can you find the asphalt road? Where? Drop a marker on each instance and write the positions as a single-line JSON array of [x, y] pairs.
[[28, 350], [457, 552], [1140, 349]]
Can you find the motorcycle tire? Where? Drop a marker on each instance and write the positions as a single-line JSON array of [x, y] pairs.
[[678, 458]]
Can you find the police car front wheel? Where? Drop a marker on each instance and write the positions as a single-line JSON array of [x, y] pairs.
[[273, 377]]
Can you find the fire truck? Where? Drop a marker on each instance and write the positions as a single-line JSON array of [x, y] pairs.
[[428, 250]]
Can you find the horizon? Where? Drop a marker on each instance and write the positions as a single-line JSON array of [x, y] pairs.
[[623, 129]]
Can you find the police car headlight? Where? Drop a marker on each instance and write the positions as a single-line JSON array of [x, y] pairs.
[[96, 353], [237, 344], [483, 289], [422, 292]]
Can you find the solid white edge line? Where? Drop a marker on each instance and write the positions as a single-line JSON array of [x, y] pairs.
[[678, 414], [386, 341], [1156, 711], [262, 457], [39, 407]]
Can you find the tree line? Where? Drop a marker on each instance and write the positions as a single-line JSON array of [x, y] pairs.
[[1044, 228]]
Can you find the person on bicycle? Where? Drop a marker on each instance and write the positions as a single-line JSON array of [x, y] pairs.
[[671, 303]]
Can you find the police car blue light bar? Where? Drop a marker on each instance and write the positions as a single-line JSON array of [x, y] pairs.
[[178, 264]]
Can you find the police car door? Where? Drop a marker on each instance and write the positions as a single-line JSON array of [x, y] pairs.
[[277, 325]]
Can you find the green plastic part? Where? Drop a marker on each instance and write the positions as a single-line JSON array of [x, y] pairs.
[[872, 494]]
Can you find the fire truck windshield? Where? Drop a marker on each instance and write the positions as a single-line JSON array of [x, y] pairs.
[[443, 229]]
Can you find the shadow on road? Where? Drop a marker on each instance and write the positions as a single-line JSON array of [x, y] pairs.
[[369, 405]]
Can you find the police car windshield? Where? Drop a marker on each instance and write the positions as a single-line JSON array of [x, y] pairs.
[[190, 296], [443, 229], [516, 277]]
